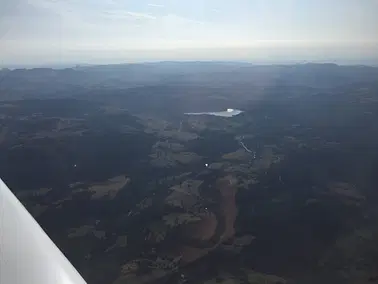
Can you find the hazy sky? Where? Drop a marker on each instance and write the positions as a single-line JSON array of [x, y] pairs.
[[69, 31]]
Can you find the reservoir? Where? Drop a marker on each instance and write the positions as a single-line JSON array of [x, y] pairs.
[[230, 112]]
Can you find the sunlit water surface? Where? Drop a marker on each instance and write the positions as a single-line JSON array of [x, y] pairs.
[[228, 113]]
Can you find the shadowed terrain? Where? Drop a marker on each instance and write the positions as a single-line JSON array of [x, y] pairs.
[[133, 190]]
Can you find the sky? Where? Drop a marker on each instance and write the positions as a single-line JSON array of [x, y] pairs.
[[112, 31]]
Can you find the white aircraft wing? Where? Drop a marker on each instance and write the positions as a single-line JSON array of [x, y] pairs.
[[27, 254]]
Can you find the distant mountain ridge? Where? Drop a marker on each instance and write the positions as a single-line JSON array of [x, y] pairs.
[[197, 73]]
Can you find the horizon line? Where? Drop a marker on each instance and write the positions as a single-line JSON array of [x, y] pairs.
[[58, 65]]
